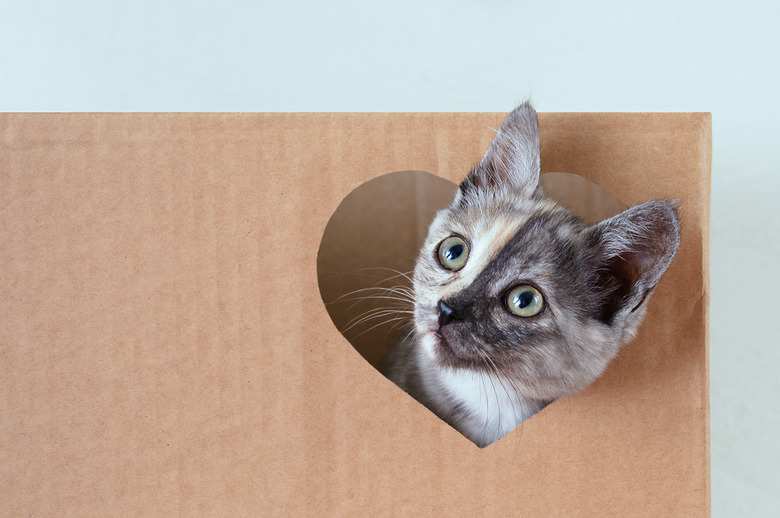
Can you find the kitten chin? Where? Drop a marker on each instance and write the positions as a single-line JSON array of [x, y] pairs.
[[517, 301], [482, 406]]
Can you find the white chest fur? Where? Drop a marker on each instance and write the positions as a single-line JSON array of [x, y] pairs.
[[488, 407]]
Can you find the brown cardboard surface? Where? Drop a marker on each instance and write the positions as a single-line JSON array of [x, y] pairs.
[[164, 349]]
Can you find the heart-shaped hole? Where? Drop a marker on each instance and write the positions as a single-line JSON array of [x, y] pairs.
[[370, 245]]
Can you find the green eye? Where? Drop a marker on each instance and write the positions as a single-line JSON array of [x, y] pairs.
[[525, 301], [453, 253]]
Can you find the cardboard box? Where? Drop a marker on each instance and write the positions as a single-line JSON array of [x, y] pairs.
[[165, 351]]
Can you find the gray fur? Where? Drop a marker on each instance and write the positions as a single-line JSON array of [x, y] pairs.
[[488, 369]]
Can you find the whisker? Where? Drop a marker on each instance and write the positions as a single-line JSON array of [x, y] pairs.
[[491, 366], [379, 324], [377, 297], [372, 315], [380, 268], [372, 288]]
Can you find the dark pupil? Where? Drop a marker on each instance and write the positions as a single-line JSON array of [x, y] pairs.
[[453, 252], [524, 299]]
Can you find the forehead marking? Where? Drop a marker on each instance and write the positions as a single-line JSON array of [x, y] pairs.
[[486, 239]]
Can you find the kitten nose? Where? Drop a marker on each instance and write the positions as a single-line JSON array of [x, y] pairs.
[[446, 314]]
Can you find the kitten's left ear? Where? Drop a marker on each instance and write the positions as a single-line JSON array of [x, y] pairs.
[[513, 158], [633, 249]]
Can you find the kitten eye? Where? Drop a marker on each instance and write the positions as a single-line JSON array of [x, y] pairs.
[[453, 253], [525, 301]]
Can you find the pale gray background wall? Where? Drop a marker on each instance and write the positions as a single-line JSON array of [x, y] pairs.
[[417, 55]]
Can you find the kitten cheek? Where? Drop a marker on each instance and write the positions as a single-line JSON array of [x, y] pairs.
[[425, 319], [428, 345]]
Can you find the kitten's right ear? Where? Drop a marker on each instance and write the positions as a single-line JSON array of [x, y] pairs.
[[632, 251], [513, 157]]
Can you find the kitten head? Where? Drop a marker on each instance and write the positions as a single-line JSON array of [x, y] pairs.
[[511, 283]]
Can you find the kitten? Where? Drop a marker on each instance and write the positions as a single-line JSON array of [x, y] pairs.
[[517, 301]]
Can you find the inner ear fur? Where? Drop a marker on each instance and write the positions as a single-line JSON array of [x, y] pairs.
[[513, 159], [631, 252]]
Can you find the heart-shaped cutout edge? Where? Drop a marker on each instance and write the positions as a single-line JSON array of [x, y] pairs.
[[371, 242]]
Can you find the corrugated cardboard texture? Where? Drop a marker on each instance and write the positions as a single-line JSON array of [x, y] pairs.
[[164, 350]]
